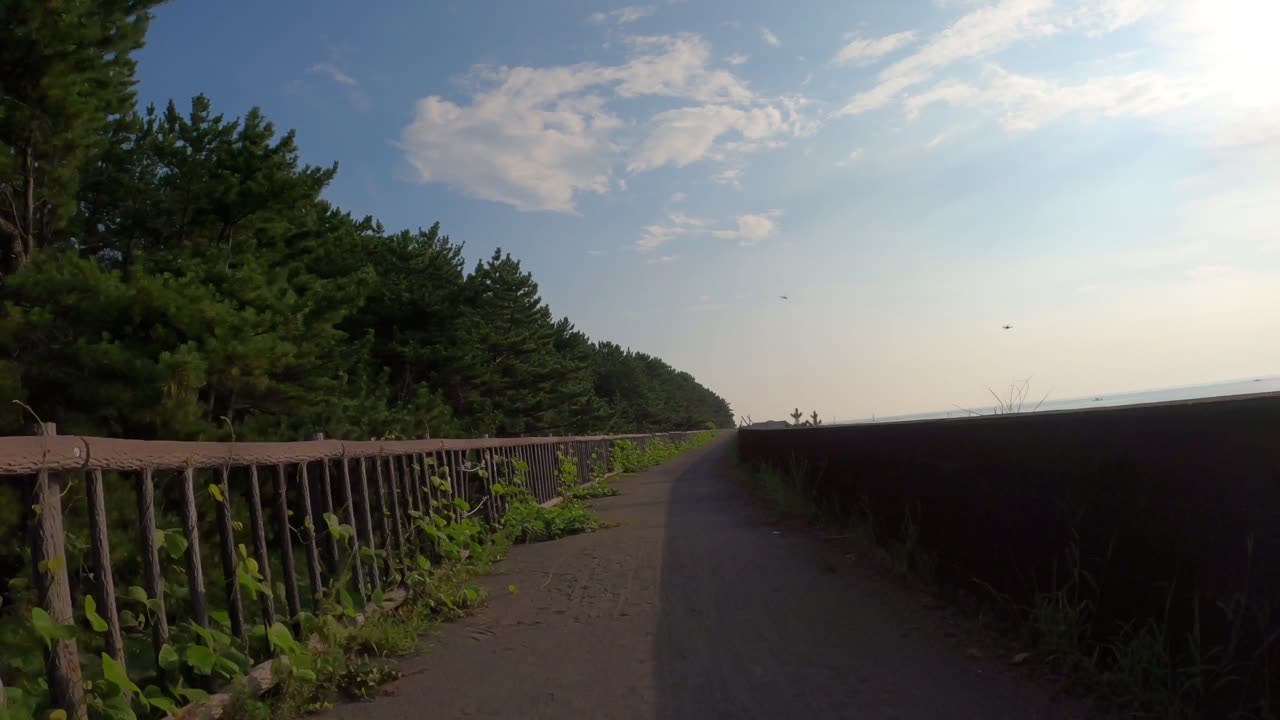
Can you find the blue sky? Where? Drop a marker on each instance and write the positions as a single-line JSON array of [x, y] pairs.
[[1102, 174]]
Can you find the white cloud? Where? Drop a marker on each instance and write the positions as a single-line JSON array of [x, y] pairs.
[[769, 37], [663, 260], [624, 15], [861, 51], [679, 197], [595, 252], [737, 59], [511, 148], [537, 138], [752, 228]]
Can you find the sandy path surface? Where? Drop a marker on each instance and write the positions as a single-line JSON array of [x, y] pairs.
[[699, 605]]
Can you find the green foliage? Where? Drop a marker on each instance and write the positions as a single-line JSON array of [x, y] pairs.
[[567, 470], [594, 490], [68, 70], [631, 456], [527, 521]]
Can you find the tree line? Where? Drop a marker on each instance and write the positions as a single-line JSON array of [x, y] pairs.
[[177, 273]]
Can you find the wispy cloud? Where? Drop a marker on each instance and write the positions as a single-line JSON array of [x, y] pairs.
[[853, 157], [680, 218], [685, 135], [1218, 88], [863, 51], [358, 99], [663, 259], [653, 237], [752, 228], [767, 35], [1026, 102], [938, 139], [977, 33], [981, 32], [705, 303], [334, 74], [623, 15], [1208, 271], [729, 176], [536, 138], [737, 59], [749, 229], [595, 252]]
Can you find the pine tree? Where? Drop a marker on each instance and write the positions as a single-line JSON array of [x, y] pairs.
[[509, 388], [66, 73]]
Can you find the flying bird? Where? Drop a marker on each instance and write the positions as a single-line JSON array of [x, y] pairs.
[[784, 297], [1007, 327]]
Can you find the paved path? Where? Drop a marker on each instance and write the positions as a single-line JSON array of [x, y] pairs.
[[699, 606]]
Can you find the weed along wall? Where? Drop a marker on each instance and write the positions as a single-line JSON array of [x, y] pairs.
[[1162, 519]]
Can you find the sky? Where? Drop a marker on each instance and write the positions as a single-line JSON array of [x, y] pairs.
[[1103, 175]]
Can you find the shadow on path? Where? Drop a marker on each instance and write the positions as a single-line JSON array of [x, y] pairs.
[[758, 622], [695, 606]]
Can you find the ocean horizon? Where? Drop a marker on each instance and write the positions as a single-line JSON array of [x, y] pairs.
[[1248, 386]]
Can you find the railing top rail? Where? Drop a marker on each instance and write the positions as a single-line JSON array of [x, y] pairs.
[[29, 455]]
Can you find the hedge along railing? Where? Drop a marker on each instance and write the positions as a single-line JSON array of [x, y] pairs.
[[375, 487]]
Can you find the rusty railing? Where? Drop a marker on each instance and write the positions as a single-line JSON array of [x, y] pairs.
[[375, 487]]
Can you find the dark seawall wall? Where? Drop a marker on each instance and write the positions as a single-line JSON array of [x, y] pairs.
[[1173, 500]]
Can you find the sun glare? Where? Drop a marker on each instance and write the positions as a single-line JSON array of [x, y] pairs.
[[1233, 42]]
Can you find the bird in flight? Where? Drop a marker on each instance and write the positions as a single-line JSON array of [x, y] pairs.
[[1007, 327], [784, 297]]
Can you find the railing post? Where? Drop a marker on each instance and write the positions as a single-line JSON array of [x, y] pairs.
[[329, 543], [53, 589], [368, 524], [260, 546], [101, 547], [195, 569], [397, 523], [459, 485], [230, 564], [410, 505], [383, 514], [422, 479], [151, 560], [350, 500], [285, 538], [310, 543]]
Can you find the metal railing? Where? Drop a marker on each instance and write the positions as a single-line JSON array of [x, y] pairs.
[[375, 487]]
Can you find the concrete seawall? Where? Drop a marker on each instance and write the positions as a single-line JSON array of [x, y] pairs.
[[1167, 505]]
